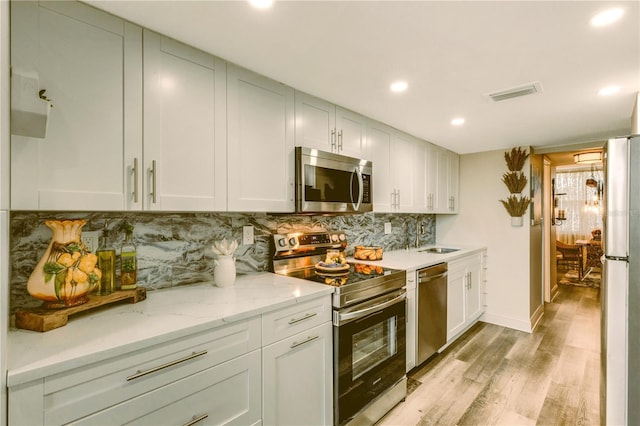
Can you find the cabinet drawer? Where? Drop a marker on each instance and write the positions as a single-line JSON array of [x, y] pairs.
[[227, 394], [294, 319], [72, 395]]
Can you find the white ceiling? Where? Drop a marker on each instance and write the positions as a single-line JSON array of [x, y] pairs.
[[452, 53]]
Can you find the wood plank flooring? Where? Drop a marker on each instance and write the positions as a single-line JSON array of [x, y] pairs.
[[498, 376]]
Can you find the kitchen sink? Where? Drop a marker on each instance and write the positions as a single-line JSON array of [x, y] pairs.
[[440, 250]]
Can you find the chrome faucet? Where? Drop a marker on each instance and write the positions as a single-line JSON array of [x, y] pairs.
[[419, 231]]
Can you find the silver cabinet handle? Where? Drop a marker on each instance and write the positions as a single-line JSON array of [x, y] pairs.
[[167, 365], [302, 318], [134, 172], [398, 204], [154, 173], [333, 140], [307, 340], [196, 419], [340, 140]]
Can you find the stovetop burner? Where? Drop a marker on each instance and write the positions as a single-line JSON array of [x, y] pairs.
[[297, 254], [357, 272]]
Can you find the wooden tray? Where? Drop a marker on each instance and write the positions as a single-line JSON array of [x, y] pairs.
[[45, 319]]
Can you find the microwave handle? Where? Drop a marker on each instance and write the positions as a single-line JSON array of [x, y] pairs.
[[358, 173]]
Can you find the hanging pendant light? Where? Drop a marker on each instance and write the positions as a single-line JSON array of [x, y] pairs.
[[592, 182]]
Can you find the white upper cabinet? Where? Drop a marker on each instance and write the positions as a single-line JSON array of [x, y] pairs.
[[327, 127], [315, 122], [398, 170], [184, 128], [83, 58], [260, 126], [351, 133], [448, 180], [431, 177]]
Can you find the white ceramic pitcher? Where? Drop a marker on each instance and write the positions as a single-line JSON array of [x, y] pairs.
[[224, 274]]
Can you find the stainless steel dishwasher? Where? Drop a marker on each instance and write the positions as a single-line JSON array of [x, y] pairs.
[[432, 310]]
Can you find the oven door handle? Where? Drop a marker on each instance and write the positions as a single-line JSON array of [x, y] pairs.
[[364, 312], [358, 173]]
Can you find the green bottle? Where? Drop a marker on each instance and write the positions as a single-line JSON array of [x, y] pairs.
[[107, 264], [128, 261]]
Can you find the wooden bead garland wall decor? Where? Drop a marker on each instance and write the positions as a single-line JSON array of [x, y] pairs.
[[515, 180]]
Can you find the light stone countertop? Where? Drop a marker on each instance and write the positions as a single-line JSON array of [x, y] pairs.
[[414, 258], [165, 315]]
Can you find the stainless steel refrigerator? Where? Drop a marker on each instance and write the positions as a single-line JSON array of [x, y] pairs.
[[620, 291]]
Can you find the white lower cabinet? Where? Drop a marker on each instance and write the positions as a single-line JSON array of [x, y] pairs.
[[274, 369], [297, 379], [228, 394], [464, 290], [297, 386]]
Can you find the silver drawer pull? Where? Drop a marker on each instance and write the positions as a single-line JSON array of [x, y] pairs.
[[196, 419], [307, 340], [306, 316], [167, 365]]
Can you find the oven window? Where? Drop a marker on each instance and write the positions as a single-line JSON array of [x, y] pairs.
[[374, 345]]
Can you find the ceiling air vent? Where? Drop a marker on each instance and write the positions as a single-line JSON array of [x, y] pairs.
[[527, 89]]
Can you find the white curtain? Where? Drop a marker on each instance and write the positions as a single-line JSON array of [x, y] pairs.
[[581, 203]]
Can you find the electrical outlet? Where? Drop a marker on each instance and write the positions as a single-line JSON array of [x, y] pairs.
[[247, 235], [387, 228], [91, 240]]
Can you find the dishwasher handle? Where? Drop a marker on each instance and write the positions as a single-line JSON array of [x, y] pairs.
[[426, 278]]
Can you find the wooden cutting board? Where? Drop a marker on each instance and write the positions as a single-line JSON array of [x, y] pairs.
[[45, 319]]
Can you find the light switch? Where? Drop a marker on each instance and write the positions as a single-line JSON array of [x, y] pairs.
[[387, 228], [247, 235]]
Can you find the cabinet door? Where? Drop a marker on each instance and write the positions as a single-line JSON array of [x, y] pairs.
[[473, 302], [315, 123], [431, 177], [407, 168], [260, 143], [454, 181], [351, 133], [456, 299], [448, 165], [82, 57], [184, 127], [379, 142], [227, 394], [297, 379]]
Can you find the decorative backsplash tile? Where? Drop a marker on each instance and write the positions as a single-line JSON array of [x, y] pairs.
[[175, 248]]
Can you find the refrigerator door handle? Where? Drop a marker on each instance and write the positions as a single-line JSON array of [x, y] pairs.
[[619, 258]]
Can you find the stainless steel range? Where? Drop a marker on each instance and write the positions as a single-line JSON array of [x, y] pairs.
[[368, 322]]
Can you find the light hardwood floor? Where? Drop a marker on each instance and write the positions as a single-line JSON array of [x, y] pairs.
[[498, 376]]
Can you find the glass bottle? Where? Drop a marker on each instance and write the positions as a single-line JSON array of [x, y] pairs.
[[107, 264], [128, 261]]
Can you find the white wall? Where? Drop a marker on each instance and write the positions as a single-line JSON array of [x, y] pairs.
[[483, 220], [635, 117]]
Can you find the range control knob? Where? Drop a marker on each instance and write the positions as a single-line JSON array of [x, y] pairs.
[[334, 237], [282, 242], [342, 237], [292, 241]]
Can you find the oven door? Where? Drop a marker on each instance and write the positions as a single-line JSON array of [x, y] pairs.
[[369, 352], [327, 182]]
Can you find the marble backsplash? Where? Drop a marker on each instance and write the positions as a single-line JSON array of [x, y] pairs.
[[175, 248]]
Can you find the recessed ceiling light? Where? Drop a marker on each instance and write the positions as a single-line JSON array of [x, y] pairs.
[[609, 90], [399, 86], [607, 17], [261, 4], [458, 121]]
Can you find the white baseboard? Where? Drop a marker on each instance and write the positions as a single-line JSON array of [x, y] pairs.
[[536, 317], [522, 325]]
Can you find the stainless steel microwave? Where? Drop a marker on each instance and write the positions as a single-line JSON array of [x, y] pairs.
[[332, 183]]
